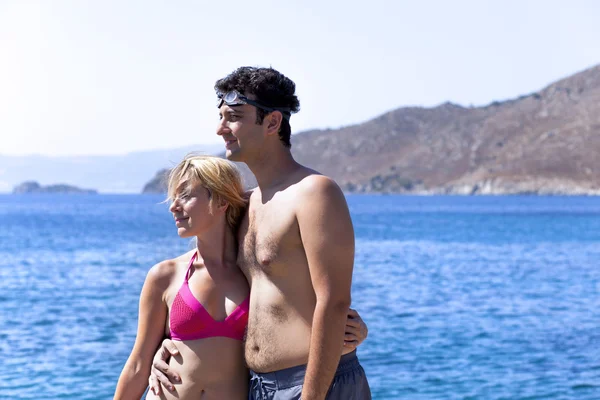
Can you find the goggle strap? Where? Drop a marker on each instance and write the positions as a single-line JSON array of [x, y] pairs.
[[285, 111]]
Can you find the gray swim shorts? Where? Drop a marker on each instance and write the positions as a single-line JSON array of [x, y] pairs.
[[349, 382]]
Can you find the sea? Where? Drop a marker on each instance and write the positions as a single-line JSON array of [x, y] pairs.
[[465, 297]]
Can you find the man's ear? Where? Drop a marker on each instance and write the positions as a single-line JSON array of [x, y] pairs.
[[274, 120]]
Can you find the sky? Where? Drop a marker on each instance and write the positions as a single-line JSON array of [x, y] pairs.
[[115, 76]]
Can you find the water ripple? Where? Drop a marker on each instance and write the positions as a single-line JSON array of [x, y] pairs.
[[495, 298]]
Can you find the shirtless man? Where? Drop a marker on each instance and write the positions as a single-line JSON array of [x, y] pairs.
[[296, 248]]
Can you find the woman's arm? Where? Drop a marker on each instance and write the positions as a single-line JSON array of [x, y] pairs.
[[151, 327]]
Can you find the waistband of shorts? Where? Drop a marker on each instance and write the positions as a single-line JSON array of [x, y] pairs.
[[294, 376]]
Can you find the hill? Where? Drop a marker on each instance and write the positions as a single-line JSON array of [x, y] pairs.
[[546, 142]]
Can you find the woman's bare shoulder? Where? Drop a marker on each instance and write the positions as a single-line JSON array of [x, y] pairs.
[[163, 272]]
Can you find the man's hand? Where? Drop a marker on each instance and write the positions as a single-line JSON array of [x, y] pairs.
[[356, 330], [160, 368]]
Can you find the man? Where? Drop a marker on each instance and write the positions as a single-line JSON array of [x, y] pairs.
[[296, 248]]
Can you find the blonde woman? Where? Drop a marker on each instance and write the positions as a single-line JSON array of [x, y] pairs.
[[200, 299]]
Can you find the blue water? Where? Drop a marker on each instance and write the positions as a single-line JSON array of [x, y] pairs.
[[465, 297]]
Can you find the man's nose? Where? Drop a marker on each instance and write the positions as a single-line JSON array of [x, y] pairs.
[[222, 127]]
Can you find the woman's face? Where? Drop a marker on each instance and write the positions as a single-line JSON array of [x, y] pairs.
[[191, 210]]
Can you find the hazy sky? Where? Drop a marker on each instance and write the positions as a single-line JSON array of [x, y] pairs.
[[104, 77]]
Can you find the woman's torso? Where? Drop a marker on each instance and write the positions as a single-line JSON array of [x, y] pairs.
[[211, 367]]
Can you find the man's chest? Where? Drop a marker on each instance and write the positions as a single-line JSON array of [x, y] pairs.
[[267, 235]]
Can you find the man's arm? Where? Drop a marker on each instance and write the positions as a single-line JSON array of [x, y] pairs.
[[151, 326], [328, 238]]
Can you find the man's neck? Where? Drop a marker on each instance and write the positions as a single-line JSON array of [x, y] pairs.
[[273, 167]]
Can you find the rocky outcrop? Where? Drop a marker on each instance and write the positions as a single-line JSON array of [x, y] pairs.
[[158, 184], [35, 187]]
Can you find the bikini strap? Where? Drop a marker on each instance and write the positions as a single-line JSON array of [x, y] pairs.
[[187, 274]]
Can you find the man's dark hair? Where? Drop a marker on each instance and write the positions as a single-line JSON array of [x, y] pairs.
[[270, 88]]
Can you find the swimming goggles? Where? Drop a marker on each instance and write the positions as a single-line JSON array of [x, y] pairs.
[[234, 98]]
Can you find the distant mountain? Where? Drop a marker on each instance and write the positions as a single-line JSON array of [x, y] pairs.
[[108, 174], [547, 142], [34, 187]]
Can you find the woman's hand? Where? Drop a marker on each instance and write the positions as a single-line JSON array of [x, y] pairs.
[[356, 330]]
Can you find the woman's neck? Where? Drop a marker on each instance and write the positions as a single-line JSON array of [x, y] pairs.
[[217, 247]]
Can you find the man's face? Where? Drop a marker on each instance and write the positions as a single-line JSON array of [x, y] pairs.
[[243, 136]]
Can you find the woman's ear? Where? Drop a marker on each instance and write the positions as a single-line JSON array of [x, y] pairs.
[[223, 206], [218, 206]]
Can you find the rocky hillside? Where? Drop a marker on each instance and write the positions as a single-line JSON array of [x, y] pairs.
[[547, 142]]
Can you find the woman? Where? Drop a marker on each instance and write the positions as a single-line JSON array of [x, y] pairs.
[[199, 299]]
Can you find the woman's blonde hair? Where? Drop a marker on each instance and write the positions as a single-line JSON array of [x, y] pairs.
[[220, 177]]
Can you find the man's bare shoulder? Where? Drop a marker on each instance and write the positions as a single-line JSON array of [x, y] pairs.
[[316, 185]]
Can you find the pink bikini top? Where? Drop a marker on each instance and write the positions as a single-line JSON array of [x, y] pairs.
[[189, 320]]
